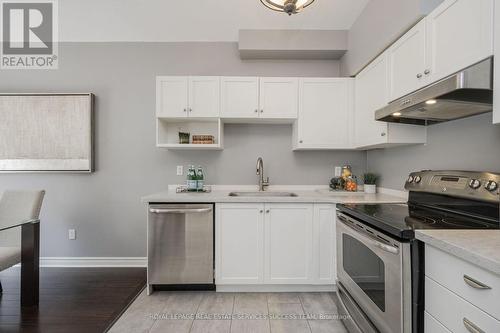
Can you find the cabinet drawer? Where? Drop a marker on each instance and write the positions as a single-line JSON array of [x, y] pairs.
[[431, 325], [453, 273], [454, 312]]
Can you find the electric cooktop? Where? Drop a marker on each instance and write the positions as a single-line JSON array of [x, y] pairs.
[[401, 220], [437, 200]]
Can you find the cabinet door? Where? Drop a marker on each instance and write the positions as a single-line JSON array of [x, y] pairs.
[[239, 249], [324, 244], [407, 62], [288, 243], [459, 34], [279, 97], [371, 94], [204, 96], [240, 97], [171, 96], [325, 113]]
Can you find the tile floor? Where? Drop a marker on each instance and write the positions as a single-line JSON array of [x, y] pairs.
[[231, 312]]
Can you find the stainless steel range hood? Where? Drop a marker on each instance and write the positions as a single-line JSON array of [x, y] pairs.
[[460, 95]]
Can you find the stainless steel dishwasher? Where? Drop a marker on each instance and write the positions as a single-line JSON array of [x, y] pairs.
[[180, 246]]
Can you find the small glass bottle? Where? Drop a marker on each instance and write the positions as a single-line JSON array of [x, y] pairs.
[[351, 184], [191, 181], [200, 179]]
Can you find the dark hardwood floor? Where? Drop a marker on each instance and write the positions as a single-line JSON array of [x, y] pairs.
[[71, 299]]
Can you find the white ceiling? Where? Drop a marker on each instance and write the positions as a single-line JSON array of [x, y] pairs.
[[191, 20]]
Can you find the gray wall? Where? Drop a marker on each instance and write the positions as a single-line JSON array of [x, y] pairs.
[[466, 144], [105, 207], [380, 24]]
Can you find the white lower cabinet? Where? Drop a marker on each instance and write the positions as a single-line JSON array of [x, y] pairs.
[[239, 246], [324, 247], [275, 244], [432, 325], [288, 244], [455, 313], [459, 296]]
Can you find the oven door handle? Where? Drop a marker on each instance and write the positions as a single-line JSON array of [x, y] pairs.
[[373, 240]]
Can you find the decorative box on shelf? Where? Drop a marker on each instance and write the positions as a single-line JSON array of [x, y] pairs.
[[203, 139]]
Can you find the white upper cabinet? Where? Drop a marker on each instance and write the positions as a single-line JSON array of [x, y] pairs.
[[240, 97], [496, 86], [204, 96], [371, 93], [172, 96], [459, 34], [183, 96], [454, 36], [288, 244], [325, 119], [407, 62], [278, 97], [265, 97]]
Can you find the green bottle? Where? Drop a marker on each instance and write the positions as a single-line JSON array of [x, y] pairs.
[[200, 179], [191, 182]]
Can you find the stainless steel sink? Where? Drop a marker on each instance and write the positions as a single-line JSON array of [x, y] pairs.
[[262, 194]]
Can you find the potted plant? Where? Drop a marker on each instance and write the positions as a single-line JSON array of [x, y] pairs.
[[370, 182]]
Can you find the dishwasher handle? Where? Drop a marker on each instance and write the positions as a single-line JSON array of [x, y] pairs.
[[179, 210]]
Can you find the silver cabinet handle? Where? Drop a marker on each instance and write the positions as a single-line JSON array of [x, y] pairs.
[[419, 75], [475, 283], [300, 141], [256, 111], [179, 210], [262, 111], [185, 110], [427, 71], [383, 134], [471, 327], [267, 211], [261, 211]]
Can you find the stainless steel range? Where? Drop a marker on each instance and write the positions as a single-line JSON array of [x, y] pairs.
[[380, 264]]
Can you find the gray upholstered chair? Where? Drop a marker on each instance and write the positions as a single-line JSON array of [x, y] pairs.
[[16, 206]]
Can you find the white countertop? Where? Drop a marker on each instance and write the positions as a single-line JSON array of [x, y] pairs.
[[479, 247], [305, 194]]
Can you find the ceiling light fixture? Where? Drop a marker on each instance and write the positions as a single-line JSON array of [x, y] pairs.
[[431, 101], [396, 114], [287, 6]]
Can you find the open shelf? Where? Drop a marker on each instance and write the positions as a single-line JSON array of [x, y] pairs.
[[190, 146], [167, 132]]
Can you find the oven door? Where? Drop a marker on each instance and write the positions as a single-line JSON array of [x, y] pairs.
[[371, 268]]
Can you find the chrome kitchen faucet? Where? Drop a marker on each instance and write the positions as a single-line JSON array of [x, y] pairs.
[[260, 172]]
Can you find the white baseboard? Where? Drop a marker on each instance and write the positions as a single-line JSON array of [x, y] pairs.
[[93, 261], [282, 288]]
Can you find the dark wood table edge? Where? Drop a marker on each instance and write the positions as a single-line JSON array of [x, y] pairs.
[[30, 264]]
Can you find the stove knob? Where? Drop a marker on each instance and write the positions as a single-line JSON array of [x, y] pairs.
[[410, 179], [474, 184], [491, 186], [418, 179]]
